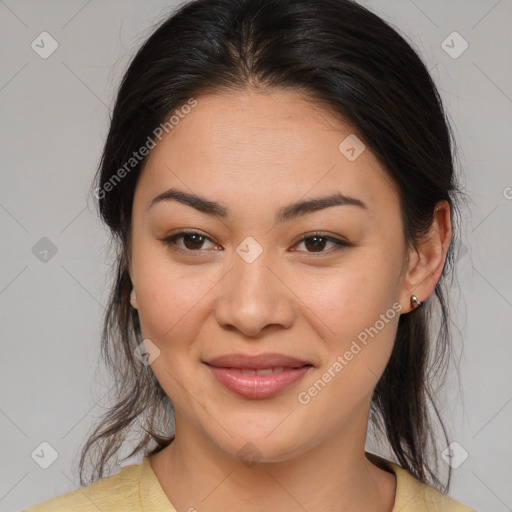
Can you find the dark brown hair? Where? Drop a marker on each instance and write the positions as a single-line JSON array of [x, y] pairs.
[[349, 59]]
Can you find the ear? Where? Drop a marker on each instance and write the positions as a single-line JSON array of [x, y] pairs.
[[133, 298], [133, 295], [426, 260]]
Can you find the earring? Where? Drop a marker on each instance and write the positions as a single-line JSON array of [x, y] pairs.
[[415, 302]]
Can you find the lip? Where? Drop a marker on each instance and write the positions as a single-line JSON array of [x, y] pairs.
[[227, 370], [256, 362]]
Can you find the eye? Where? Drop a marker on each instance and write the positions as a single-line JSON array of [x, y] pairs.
[[317, 242], [192, 241]]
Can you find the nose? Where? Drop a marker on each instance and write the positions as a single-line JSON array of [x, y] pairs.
[[255, 298]]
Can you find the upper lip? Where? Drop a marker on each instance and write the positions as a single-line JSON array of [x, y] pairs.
[[258, 362]]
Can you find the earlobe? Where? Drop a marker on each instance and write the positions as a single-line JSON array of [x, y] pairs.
[[133, 298], [417, 284], [133, 295]]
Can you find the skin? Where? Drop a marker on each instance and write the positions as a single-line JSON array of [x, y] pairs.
[[255, 153]]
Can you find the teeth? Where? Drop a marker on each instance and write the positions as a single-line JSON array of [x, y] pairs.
[[262, 371]]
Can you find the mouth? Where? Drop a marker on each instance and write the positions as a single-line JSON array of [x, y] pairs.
[[257, 377], [262, 371], [257, 362]]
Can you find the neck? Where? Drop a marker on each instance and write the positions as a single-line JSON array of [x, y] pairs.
[[334, 475]]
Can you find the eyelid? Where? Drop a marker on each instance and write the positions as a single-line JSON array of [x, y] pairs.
[[322, 234]]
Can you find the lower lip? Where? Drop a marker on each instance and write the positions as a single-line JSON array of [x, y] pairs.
[[258, 386]]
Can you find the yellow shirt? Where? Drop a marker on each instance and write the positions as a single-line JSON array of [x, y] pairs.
[[136, 488]]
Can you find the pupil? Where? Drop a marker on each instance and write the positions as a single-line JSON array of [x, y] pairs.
[[317, 244], [196, 241]]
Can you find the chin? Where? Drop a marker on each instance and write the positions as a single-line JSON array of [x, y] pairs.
[[257, 446]]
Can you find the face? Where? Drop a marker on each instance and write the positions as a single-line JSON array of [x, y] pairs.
[[245, 283]]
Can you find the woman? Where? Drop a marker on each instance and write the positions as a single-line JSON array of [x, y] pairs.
[[279, 180]]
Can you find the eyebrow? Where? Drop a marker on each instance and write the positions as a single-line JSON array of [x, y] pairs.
[[288, 212]]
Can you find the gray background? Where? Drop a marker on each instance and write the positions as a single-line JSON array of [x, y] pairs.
[[54, 115]]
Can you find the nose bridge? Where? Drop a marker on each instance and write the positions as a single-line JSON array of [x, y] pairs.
[[251, 270], [252, 278]]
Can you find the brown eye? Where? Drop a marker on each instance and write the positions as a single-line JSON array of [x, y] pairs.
[[316, 243], [191, 241]]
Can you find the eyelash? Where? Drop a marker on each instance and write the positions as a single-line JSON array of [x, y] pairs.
[[169, 242]]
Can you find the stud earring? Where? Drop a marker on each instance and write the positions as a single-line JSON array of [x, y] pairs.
[[415, 302]]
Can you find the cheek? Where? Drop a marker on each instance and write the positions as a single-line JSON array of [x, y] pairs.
[[360, 328], [169, 303], [172, 297], [172, 310], [353, 306], [350, 297]]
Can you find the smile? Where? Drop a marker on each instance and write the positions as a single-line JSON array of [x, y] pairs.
[[258, 384]]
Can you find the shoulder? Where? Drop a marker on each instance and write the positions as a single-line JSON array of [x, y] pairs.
[[111, 494], [415, 496]]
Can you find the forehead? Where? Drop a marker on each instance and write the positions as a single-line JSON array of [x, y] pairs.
[[277, 146]]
